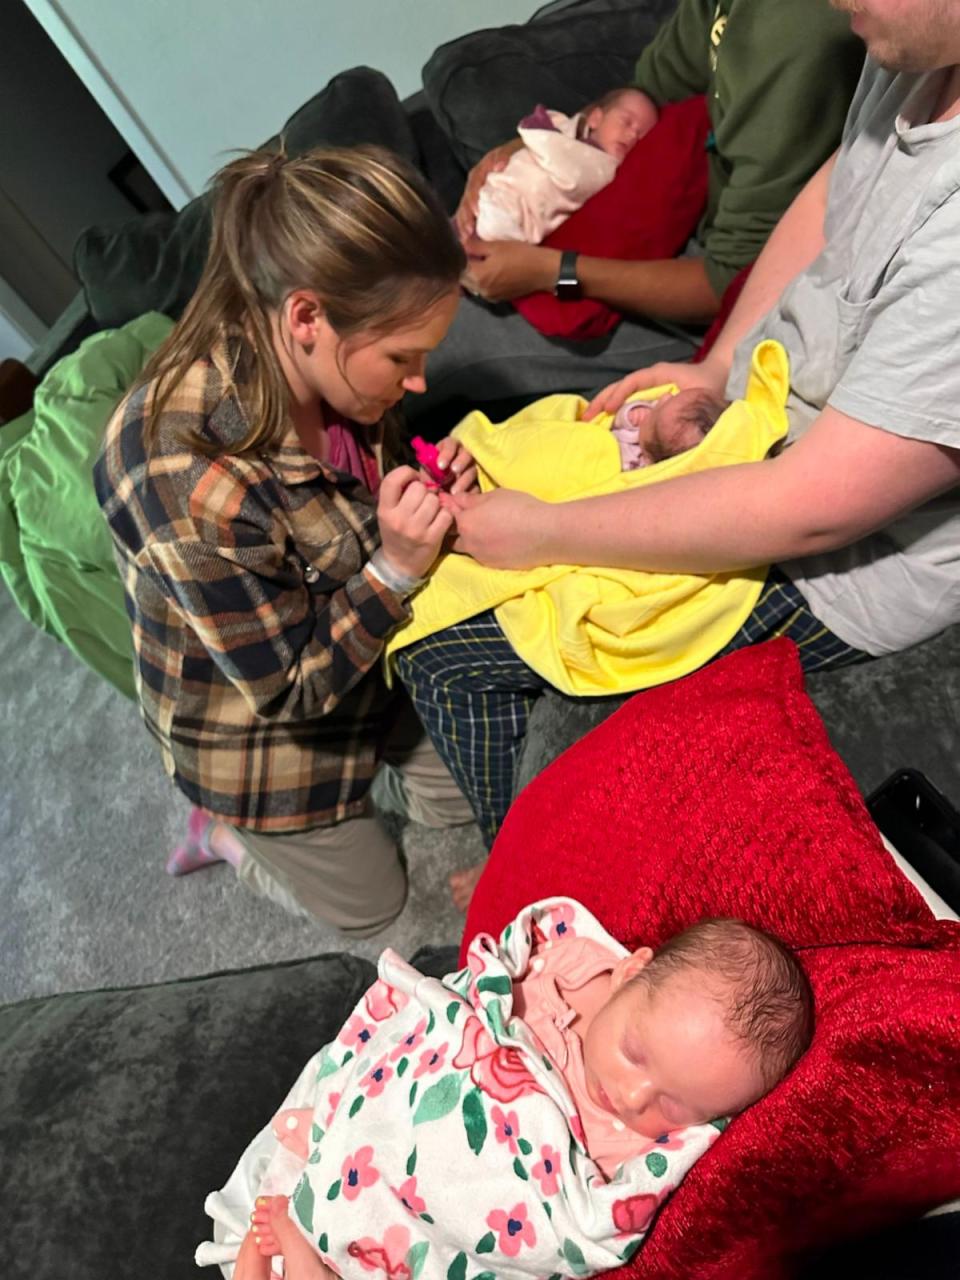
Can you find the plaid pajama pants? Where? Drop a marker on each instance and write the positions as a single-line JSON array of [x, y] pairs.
[[474, 695]]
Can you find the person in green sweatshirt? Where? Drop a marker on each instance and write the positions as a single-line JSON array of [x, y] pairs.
[[778, 76]]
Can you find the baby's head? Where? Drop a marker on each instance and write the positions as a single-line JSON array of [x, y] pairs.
[[618, 120], [679, 422], [698, 1030]]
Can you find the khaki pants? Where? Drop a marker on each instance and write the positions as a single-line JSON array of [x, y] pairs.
[[350, 875]]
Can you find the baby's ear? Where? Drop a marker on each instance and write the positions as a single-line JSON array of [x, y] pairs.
[[630, 966], [593, 119]]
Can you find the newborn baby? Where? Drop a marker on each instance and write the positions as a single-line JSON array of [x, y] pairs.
[[569, 1084], [564, 161], [648, 431]]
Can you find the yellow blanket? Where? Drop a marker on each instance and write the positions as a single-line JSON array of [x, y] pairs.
[[600, 631]]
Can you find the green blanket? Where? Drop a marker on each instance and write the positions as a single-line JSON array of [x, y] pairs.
[[55, 551]]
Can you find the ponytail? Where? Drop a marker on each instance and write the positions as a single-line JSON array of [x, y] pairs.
[[357, 226]]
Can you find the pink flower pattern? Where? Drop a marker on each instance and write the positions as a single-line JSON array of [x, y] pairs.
[[406, 1193], [333, 1101], [507, 1128], [409, 1042], [376, 1079], [634, 1213], [357, 1172], [388, 1255], [356, 1032], [498, 1071], [383, 1001], [547, 1170], [513, 1229], [431, 1061]]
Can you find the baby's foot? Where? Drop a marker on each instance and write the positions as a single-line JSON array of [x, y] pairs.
[[276, 1234], [462, 885], [251, 1264]]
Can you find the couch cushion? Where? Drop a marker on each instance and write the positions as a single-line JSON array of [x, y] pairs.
[[481, 84], [720, 794]]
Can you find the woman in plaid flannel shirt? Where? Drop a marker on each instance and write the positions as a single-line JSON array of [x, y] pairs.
[[264, 553]]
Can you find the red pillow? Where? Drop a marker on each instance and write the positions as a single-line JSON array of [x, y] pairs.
[[721, 795], [649, 211]]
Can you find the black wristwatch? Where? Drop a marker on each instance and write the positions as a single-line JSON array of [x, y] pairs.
[[568, 286]]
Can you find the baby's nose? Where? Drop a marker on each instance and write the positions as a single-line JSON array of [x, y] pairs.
[[639, 1094]]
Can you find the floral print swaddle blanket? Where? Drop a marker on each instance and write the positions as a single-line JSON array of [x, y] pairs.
[[432, 1140]]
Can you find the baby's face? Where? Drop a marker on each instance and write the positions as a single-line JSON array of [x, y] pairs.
[[661, 1058], [623, 123], [668, 430]]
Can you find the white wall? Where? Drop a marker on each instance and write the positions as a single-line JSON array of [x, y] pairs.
[[186, 80]]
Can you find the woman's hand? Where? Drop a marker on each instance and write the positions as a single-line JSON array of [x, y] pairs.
[[504, 529], [501, 270], [412, 522], [465, 218], [453, 456], [609, 400]]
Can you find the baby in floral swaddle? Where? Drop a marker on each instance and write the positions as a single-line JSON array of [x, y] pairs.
[[523, 1117]]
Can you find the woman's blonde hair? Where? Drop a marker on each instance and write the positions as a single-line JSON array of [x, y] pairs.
[[358, 226]]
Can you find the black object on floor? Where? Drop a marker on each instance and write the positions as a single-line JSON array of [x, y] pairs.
[[925, 828]]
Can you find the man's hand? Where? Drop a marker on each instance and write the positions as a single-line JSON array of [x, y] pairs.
[[503, 529], [709, 376], [465, 218], [501, 270]]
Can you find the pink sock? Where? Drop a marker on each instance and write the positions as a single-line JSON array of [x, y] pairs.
[[195, 851]]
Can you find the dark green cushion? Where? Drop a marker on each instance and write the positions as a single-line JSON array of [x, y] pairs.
[[120, 1110]]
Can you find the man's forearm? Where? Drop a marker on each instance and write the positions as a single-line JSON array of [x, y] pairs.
[[669, 289], [796, 240]]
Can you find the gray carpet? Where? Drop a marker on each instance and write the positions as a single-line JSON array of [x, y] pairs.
[[87, 818]]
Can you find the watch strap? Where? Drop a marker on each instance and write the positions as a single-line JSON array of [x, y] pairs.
[[568, 282]]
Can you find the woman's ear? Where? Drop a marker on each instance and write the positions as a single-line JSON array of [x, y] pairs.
[[304, 314], [629, 967]]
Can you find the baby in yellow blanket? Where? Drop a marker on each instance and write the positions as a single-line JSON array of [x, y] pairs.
[[649, 431]]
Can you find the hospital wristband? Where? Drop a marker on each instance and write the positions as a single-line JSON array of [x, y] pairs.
[[404, 584]]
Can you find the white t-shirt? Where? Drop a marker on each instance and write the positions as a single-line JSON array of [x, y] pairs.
[[872, 328]]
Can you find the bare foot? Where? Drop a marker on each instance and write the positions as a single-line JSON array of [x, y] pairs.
[[463, 883], [251, 1264], [276, 1234]]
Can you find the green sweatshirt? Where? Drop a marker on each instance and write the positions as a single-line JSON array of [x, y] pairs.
[[779, 76]]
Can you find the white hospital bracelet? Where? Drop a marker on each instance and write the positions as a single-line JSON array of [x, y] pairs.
[[404, 584]]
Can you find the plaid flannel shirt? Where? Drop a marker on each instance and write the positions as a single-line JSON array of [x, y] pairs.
[[258, 630]]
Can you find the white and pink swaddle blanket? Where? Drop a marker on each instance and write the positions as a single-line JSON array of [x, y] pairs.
[[432, 1140], [548, 179]]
